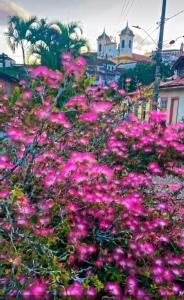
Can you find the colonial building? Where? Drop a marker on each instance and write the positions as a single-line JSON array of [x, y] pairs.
[[172, 94], [170, 56], [120, 53], [7, 83], [6, 61], [103, 71]]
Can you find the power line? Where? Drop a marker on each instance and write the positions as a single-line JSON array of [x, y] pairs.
[[130, 7], [124, 3], [150, 34], [177, 14], [125, 8], [168, 19]]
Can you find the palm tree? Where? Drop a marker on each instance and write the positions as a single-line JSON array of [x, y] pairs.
[[70, 37], [49, 40], [18, 33], [43, 41]]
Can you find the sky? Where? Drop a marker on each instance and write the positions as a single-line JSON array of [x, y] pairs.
[[94, 15]]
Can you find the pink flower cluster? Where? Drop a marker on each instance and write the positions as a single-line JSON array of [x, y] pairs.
[[81, 213]]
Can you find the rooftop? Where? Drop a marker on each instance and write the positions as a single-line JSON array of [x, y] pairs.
[[104, 36], [127, 30], [93, 60], [6, 57], [140, 57], [177, 82], [7, 77], [178, 62]]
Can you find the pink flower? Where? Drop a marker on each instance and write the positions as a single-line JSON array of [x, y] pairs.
[[66, 56], [40, 71], [16, 134], [52, 83], [73, 290], [60, 118], [153, 167], [40, 89], [132, 285], [113, 288], [88, 117], [46, 205], [157, 116], [114, 85], [27, 94], [35, 291], [4, 193], [38, 290], [100, 107], [122, 91], [175, 186], [42, 113], [91, 292], [79, 101], [80, 61]]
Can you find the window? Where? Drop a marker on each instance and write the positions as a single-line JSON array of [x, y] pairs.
[[163, 103], [123, 44], [130, 44], [100, 47]]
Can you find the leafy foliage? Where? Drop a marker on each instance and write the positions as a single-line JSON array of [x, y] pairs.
[[19, 31], [82, 215], [45, 41], [143, 73]]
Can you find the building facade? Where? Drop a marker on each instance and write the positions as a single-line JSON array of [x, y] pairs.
[[172, 94], [6, 61], [7, 83], [103, 71], [120, 53], [169, 56]]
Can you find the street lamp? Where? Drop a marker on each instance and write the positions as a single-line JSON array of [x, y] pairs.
[[145, 31], [172, 42]]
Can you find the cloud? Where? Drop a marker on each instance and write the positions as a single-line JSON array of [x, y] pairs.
[[142, 42], [9, 8]]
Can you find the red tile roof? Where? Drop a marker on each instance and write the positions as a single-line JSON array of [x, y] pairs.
[[173, 83], [139, 57]]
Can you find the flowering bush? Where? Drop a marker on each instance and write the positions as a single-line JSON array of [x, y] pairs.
[[82, 216]]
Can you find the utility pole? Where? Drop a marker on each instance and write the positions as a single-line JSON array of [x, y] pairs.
[[159, 56], [3, 60], [106, 69]]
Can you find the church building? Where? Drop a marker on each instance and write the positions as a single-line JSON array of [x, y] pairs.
[[120, 53]]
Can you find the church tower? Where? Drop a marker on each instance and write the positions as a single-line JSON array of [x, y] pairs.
[[126, 41], [102, 43], [106, 47]]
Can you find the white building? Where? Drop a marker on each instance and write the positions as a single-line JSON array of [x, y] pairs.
[[120, 53], [103, 70], [106, 48]]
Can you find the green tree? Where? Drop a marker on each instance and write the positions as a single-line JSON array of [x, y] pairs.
[[18, 33], [143, 73], [50, 39], [43, 39]]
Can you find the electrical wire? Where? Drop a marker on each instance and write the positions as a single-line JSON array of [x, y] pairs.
[[167, 19], [130, 7], [150, 34], [125, 9], [177, 14]]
